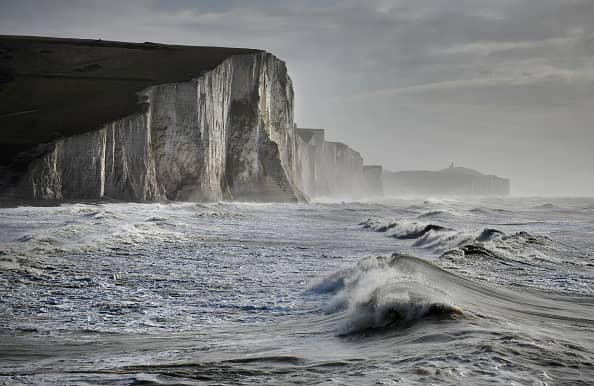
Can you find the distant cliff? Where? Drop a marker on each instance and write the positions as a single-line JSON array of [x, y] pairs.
[[333, 170], [450, 181], [374, 185], [94, 119]]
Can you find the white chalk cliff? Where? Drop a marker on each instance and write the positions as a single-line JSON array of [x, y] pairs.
[[333, 170], [94, 119], [228, 134]]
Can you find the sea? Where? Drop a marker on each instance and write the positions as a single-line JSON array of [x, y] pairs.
[[419, 291]]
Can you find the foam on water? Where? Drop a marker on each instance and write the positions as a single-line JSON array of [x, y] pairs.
[[285, 293], [376, 294]]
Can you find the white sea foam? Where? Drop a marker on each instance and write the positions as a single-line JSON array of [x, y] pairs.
[[377, 293], [106, 287]]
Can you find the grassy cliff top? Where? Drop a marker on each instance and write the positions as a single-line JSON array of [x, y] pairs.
[[55, 87]]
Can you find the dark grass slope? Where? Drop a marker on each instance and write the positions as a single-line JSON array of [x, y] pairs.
[[54, 87]]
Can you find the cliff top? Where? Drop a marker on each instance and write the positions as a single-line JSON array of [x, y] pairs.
[[56, 87]]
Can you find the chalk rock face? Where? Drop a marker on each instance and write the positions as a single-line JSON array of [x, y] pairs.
[[228, 134], [349, 175], [311, 162], [260, 132], [332, 170], [373, 180], [44, 178], [188, 122], [114, 161]]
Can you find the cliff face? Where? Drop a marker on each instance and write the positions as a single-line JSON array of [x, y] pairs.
[[332, 170], [373, 180], [114, 161], [260, 134], [311, 164], [228, 134], [348, 173]]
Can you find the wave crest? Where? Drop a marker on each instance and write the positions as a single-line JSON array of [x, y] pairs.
[[489, 242], [381, 292], [403, 230], [397, 305]]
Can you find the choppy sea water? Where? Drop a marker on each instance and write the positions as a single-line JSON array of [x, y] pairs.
[[493, 291]]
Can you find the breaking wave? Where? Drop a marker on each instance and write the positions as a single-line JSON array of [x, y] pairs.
[[406, 230], [383, 293], [522, 245], [488, 241], [435, 237], [492, 254], [439, 214]]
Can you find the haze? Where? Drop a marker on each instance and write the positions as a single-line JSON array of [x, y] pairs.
[[505, 87]]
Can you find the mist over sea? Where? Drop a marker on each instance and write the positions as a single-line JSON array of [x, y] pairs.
[[415, 291]]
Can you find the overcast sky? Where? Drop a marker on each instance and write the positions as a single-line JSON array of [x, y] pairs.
[[503, 86]]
